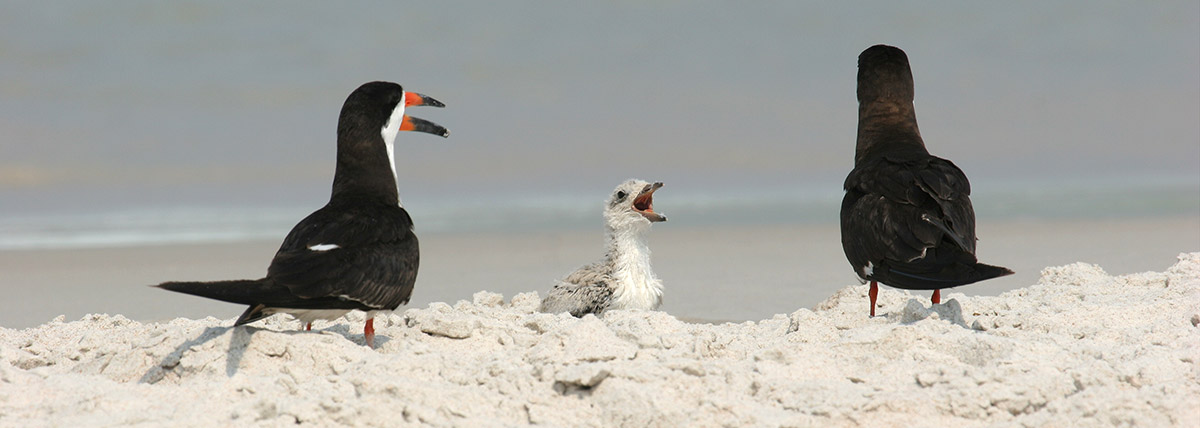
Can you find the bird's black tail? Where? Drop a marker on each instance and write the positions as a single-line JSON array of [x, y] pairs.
[[988, 271], [949, 276], [244, 291]]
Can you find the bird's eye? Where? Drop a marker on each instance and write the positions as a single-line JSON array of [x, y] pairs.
[[621, 195]]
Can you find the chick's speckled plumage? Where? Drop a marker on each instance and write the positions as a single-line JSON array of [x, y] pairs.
[[624, 278]]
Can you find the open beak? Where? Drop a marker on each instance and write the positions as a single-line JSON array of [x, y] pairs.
[[644, 203], [410, 123]]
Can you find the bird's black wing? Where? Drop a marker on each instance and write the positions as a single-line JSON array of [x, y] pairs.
[[895, 210], [374, 262], [947, 186]]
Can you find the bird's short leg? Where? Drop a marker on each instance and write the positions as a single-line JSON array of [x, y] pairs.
[[369, 332], [937, 297], [308, 327], [873, 293]]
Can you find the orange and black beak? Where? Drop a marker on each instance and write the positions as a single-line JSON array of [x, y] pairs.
[[413, 99], [644, 203], [410, 123]]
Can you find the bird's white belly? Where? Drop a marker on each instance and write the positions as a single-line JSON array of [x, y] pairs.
[[636, 288], [309, 315]]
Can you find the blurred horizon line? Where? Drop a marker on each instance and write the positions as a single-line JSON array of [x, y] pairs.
[[210, 223]]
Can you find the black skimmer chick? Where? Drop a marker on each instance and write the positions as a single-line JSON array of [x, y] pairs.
[[623, 280], [359, 250], [907, 219]]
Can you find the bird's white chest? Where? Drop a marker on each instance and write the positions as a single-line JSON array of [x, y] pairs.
[[636, 285]]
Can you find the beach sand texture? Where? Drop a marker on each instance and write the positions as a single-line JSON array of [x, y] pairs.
[[1079, 348]]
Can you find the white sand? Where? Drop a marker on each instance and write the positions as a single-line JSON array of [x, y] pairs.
[[1080, 348]]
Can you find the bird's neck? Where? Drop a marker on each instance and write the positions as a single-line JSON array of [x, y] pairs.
[[629, 256], [887, 126], [364, 170]]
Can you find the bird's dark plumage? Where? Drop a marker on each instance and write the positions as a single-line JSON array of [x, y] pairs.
[[359, 250], [906, 219]]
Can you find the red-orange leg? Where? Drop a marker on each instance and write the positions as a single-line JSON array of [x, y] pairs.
[[369, 332], [873, 293]]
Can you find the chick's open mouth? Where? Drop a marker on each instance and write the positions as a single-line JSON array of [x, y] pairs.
[[644, 203]]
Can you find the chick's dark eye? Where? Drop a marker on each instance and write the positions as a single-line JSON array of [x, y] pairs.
[[621, 195]]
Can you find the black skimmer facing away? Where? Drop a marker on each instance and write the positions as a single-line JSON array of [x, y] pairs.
[[623, 280], [907, 219], [359, 250]]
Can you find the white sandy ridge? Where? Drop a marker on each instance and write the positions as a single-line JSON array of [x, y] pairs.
[[1080, 348]]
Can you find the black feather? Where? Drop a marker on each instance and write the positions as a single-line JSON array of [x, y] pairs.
[[906, 218], [369, 255]]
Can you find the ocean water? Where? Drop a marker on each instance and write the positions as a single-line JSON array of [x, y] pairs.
[[140, 124], [138, 106], [1150, 199]]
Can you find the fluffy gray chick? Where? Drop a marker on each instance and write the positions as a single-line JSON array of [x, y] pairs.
[[623, 279]]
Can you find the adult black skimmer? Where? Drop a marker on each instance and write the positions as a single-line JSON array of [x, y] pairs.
[[623, 280], [359, 250], [907, 219]]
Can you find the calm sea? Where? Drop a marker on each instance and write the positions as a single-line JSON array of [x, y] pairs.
[[132, 123]]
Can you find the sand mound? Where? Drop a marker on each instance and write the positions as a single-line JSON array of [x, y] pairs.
[[1080, 347]]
